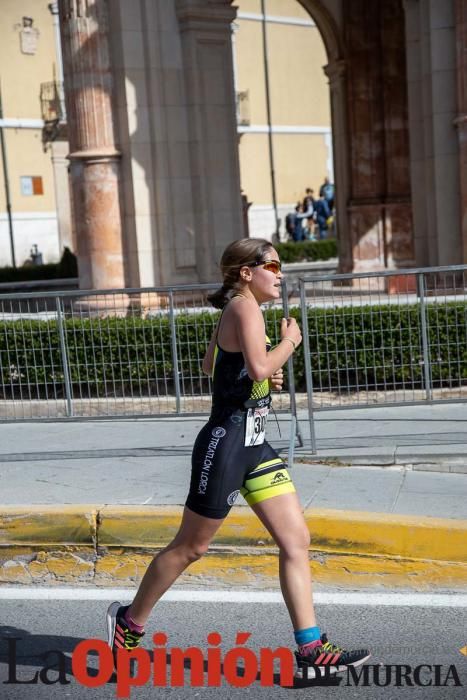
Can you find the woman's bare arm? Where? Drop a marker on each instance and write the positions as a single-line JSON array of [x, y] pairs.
[[249, 323]]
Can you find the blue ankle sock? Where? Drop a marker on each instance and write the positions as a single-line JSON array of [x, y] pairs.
[[310, 634]]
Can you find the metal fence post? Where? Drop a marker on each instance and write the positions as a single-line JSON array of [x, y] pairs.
[[64, 356], [308, 375], [294, 427], [425, 341], [173, 335], [293, 433]]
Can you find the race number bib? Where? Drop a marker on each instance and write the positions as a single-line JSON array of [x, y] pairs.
[[255, 429]]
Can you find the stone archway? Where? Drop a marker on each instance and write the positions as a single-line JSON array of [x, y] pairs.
[[332, 37], [365, 43]]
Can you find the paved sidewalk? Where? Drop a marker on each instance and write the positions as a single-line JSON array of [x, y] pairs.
[[425, 437], [147, 461], [385, 485]]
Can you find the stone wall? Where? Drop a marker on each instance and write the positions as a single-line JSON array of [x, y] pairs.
[[434, 165], [164, 149], [177, 134]]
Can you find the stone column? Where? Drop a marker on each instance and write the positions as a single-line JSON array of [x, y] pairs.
[[95, 167], [461, 119], [431, 67], [205, 32], [336, 73]]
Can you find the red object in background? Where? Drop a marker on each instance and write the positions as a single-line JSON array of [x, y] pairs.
[[401, 284], [37, 185]]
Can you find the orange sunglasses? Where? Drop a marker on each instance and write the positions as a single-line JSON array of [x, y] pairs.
[[274, 266]]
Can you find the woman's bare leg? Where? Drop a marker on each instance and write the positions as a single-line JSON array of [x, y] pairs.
[[189, 544], [283, 518]]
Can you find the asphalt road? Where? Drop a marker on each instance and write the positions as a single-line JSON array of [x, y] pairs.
[[411, 634]]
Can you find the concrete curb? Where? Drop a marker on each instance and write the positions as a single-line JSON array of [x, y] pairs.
[[423, 460], [111, 545]]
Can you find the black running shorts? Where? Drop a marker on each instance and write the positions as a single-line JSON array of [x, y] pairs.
[[222, 467]]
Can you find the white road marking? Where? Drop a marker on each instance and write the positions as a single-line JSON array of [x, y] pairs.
[[424, 600]]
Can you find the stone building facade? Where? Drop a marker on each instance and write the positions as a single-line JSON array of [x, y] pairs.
[[35, 212], [153, 138]]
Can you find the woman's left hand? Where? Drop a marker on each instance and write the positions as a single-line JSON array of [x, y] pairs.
[[277, 380]]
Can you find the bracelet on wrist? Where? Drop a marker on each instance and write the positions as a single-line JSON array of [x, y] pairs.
[[286, 337]]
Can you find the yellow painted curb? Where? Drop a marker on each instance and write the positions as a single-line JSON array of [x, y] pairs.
[[48, 525], [133, 526], [104, 545], [412, 536], [331, 530]]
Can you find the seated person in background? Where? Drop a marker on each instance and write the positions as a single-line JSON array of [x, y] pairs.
[[327, 191], [322, 215], [290, 220], [299, 233], [309, 200], [310, 229]]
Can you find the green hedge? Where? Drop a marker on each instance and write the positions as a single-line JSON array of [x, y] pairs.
[[67, 267], [369, 348], [307, 250], [377, 348]]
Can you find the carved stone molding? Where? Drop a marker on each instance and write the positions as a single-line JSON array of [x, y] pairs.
[[101, 155], [335, 71], [72, 9], [205, 14]]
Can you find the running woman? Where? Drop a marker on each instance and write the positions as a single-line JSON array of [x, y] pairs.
[[232, 456]]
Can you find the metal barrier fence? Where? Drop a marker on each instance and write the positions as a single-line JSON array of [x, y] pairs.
[[384, 338], [131, 352]]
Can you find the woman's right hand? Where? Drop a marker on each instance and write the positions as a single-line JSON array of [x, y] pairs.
[[290, 329]]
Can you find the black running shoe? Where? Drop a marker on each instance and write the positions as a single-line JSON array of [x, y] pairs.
[[328, 658], [119, 635]]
